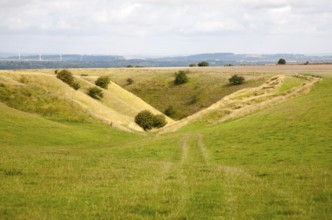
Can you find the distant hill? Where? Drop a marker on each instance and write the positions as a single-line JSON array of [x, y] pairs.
[[42, 61]]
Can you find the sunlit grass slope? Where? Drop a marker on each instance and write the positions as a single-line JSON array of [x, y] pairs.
[[203, 89], [45, 95], [156, 86], [274, 164]]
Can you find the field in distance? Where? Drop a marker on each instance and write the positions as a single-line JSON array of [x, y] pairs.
[[272, 164]]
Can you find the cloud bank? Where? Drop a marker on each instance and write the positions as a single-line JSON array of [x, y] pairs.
[[166, 27]]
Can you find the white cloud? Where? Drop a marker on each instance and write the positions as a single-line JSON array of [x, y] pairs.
[[176, 20]]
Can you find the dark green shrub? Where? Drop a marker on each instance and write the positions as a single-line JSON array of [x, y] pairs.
[[236, 80], [67, 77], [103, 82], [181, 77], [159, 121], [281, 61], [145, 119], [203, 63], [76, 86], [192, 65], [169, 111], [95, 93]]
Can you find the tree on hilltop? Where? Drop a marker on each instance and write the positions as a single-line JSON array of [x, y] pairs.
[[281, 61], [203, 63]]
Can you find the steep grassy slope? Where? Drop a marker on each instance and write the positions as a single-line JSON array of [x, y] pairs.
[[204, 88], [274, 164], [156, 87], [119, 99], [207, 85], [21, 92], [246, 101], [46, 95]]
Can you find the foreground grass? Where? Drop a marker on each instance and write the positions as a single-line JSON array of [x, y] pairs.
[[270, 165]]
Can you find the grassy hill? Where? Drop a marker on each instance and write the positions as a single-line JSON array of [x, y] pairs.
[[44, 94], [205, 87], [272, 164], [155, 85]]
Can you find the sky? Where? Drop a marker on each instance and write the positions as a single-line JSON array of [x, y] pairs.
[[166, 27]]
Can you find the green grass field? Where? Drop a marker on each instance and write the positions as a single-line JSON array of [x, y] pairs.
[[273, 164]]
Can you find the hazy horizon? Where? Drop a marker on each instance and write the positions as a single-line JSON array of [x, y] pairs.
[[166, 28], [151, 55]]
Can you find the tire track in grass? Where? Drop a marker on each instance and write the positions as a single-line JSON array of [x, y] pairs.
[[182, 208], [184, 148], [175, 186], [200, 185], [202, 149], [166, 194], [203, 186]]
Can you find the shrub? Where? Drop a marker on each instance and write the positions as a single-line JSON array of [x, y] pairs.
[[130, 81], [146, 120], [281, 61], [76, 86], [203, 63], [95, 92], [159, 121], [192, 65], [103, 82], [67, 77], [181, 77], [169, 111], [236, 80]]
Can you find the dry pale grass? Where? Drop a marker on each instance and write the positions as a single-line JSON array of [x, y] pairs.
[[118, 108]]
